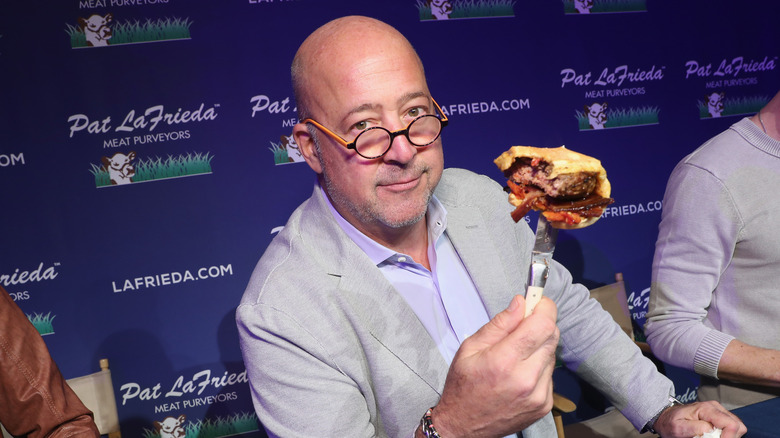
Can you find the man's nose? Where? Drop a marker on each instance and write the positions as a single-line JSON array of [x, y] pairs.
[[401, 150]]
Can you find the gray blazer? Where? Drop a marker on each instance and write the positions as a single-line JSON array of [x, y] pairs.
[[331, 349]]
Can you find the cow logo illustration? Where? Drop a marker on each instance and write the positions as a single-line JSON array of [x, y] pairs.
[[715, 104], [293, 153], [441, 9], [120, 168], [105, 30], [595, 117], [171, 427], [96, 29], [286, 151], [435, 10], [581, 7]]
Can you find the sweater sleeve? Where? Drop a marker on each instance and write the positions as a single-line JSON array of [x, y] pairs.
[[699, 229]]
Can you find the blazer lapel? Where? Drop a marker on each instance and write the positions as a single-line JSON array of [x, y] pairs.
[[483, 261], [394, 324]]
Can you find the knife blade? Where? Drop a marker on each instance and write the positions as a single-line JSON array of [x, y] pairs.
[[541, 258]]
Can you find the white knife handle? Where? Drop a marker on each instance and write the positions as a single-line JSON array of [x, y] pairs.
[[532, 298]]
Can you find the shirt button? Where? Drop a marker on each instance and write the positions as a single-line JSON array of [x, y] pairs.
[[402, 259], [438, 223]]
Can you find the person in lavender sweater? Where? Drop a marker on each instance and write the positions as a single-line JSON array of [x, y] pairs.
[[715, 300]]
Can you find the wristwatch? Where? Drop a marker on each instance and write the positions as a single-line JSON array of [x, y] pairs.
[[426, 424], [650, 425]]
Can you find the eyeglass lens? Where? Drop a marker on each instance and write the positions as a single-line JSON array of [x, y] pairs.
[[375, 142]]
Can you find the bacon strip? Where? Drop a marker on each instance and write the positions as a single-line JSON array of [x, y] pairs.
[[569, 211]]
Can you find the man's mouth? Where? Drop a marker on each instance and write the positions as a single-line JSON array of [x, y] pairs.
[[402, 184]]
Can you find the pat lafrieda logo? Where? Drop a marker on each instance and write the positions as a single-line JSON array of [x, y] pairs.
[[201, 388], [729, 68], [614, 83], [611, 76], [148, 120], [195, 384]]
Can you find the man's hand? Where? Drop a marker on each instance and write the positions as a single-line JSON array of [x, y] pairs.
[[500, 380], [696, 419]]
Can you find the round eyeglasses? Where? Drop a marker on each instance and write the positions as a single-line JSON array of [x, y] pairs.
[[374, 142]]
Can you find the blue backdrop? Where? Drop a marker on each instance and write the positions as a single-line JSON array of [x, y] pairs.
[[195, 97]]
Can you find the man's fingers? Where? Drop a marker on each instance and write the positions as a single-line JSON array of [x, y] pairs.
[[512, 337], [536, 334], [731, 426], [546, 308], [720, 417], [500, 325], [697, 419]]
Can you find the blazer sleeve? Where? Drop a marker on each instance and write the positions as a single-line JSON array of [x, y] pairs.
[[594, 346], [299, 401]]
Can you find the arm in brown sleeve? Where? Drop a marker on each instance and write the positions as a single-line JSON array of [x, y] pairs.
[[35, 400]]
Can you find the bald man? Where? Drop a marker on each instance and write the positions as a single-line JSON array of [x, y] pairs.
[[387, 306]]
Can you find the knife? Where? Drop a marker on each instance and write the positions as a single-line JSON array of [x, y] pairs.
[[541, 259]]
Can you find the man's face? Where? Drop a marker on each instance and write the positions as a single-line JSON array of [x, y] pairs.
[[384, 86]]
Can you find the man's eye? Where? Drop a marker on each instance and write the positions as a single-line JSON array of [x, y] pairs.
[[360, 126], [414, 112]]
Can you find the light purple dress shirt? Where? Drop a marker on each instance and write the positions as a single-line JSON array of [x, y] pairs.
[[445, 298]]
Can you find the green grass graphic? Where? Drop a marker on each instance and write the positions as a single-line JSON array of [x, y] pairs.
[[131, 32], [280, 153], [619, 118], [735, 106], [157, 168], [608, 6], [471, 9], [42, 323]]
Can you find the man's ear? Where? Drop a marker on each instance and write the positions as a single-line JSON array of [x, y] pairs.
[[307, 147]]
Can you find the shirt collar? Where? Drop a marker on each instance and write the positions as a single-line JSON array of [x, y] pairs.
[[436, 217]]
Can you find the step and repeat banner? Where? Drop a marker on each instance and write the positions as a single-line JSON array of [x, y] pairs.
[[146, 160]]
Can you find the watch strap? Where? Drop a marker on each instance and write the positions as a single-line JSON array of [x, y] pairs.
[[426, 424], [650, 425]]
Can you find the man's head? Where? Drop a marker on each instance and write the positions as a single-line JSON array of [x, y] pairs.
[[351, 74]]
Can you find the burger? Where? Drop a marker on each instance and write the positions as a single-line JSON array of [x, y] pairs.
[[570, 189]]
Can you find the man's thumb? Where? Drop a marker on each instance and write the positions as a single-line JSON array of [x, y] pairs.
[[503, 323]]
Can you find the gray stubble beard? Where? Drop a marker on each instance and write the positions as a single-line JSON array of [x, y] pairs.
[[370, 213]]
